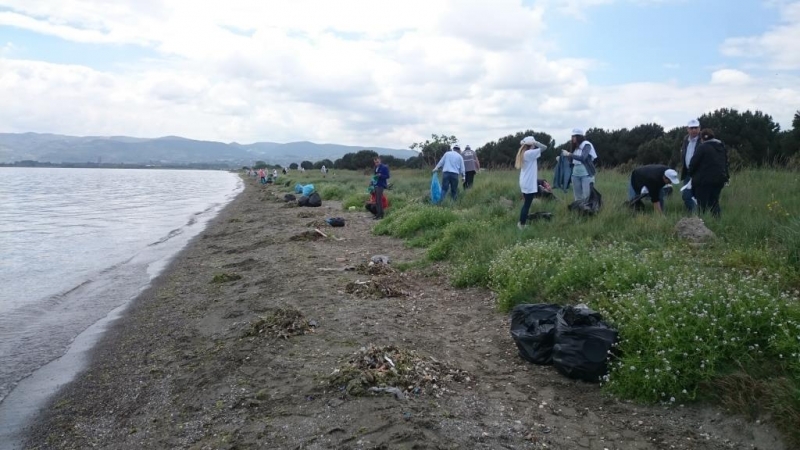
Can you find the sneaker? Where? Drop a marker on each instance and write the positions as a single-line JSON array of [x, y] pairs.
[[521, 226]]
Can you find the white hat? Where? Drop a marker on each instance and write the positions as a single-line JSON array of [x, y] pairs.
[[456, 147], [672, 175], [577, 132], [694, 123], [528, 140]]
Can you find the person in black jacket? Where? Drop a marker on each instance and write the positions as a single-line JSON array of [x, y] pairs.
[[708, 170], [651, 181]]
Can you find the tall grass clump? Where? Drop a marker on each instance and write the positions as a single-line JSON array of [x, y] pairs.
[[330, 191], [456, 235], [410, 221]]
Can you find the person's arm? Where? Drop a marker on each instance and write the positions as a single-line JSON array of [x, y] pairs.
[[477, 163], [657, 207], [585, 157], [440, 164], [462, 167]]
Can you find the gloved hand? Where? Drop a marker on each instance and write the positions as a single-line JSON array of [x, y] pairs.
[[433, 171], [565, 153]]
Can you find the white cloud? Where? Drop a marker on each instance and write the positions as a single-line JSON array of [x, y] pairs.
[[351, 71], [777, 47]]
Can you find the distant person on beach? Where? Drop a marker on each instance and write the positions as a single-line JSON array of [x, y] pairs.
[[452, 165], [709, 171], [583, 170], [688, 148], [382, 174], [275, 174], [471, 166], [652, 180], [527, 162], [262, 175]]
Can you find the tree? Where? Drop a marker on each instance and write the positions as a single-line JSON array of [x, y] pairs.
[[293, 166], [503, 152], [307, 165], [260, 165], [432, 149], [393, 161], [754, 135], [325, 162]]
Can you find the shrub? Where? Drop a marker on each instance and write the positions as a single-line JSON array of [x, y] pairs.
[[332, 192], [409, 221]]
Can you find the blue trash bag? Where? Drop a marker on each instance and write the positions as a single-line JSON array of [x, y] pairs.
[[308, 189], [436, 189], [298, 188]]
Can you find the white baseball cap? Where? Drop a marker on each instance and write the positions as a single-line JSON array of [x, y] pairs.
[[577, 132], [528, 140], [694, 123], [672, 175]]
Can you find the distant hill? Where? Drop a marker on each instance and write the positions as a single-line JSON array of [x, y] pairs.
[[56, 148]]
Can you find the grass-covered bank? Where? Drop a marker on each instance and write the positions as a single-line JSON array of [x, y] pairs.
[[719, 322]]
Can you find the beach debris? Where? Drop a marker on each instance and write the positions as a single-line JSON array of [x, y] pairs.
[[283, 323], [310, 235], [381, 288], [375, 269], [380, 259], [225, 278], [289, 198], [391, 370]]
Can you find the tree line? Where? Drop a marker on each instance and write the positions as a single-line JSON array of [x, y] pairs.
[[753, 139]]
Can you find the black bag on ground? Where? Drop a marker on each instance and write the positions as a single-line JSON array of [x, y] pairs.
[[533, 329], [590, 206], [314, 200], [302, 201], [289, 198], [636, 203], [541, 215], [582, 343], [335, 221]]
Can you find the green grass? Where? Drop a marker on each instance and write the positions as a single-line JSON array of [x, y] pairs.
[[695, 323]]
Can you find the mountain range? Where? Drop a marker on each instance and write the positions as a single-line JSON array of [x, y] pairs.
[[55, 148]]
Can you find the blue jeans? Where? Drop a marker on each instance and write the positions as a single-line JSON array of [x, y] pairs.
[[661, 195], [450, 181], [581, 186], [526, 207], [687, 195]]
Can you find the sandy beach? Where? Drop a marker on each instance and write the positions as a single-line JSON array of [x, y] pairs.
[[264, 334]]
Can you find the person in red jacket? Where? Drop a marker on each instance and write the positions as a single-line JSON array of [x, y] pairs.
[[372, 205]]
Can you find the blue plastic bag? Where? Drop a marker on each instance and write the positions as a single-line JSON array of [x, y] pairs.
[[308, 189], [436, 189], [298, 188]]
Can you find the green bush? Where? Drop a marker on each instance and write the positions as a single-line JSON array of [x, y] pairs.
[[408, 222], [357, 200], [332, 192], [455, 235]]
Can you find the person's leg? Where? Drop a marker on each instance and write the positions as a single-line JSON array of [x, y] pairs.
[[587, 186], [688, 201], [714, 194], [454, 192], [662, 196], [470, 178], [577, 188], [445, 186], [631, 192], [526, 208], [701, 193], [378, 202]]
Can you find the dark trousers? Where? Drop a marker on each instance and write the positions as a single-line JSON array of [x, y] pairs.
[[688, 201], [468, 179], [526, 207], [708, 198], [450, 181], [378, 201]]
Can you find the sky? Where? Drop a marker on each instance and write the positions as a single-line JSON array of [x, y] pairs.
[[389, 73]]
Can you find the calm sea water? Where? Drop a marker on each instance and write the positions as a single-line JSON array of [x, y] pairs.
[[77, 244]]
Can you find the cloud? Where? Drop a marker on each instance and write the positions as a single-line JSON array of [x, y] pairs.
[[354, 72], [776, 47]]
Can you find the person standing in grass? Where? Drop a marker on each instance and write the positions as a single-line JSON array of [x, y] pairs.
[[709, 172], [452, 165], [527, 161], [471, 166], [652, 180], [382, 176], [582, 156], [690, 143]]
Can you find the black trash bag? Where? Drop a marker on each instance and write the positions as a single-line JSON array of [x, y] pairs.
[[582, 343], [541, 215], [590, 206], [335, 221], [302, 201], [314, 200], [533, 328], [637, 203], [289, 198]]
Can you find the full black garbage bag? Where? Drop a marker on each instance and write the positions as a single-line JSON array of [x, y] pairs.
[[590, 206], [533, 329], [289, 198], [302, 201], [314, 200], [582, 344]]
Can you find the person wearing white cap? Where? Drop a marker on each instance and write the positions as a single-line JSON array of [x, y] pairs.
[[652, 180], [452, 165], [690, 143], [527, 161], [583, 170]]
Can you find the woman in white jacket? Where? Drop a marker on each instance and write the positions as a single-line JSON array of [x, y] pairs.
[[527, 161]]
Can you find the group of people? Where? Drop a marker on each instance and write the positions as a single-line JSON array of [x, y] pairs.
[[703, 171]]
